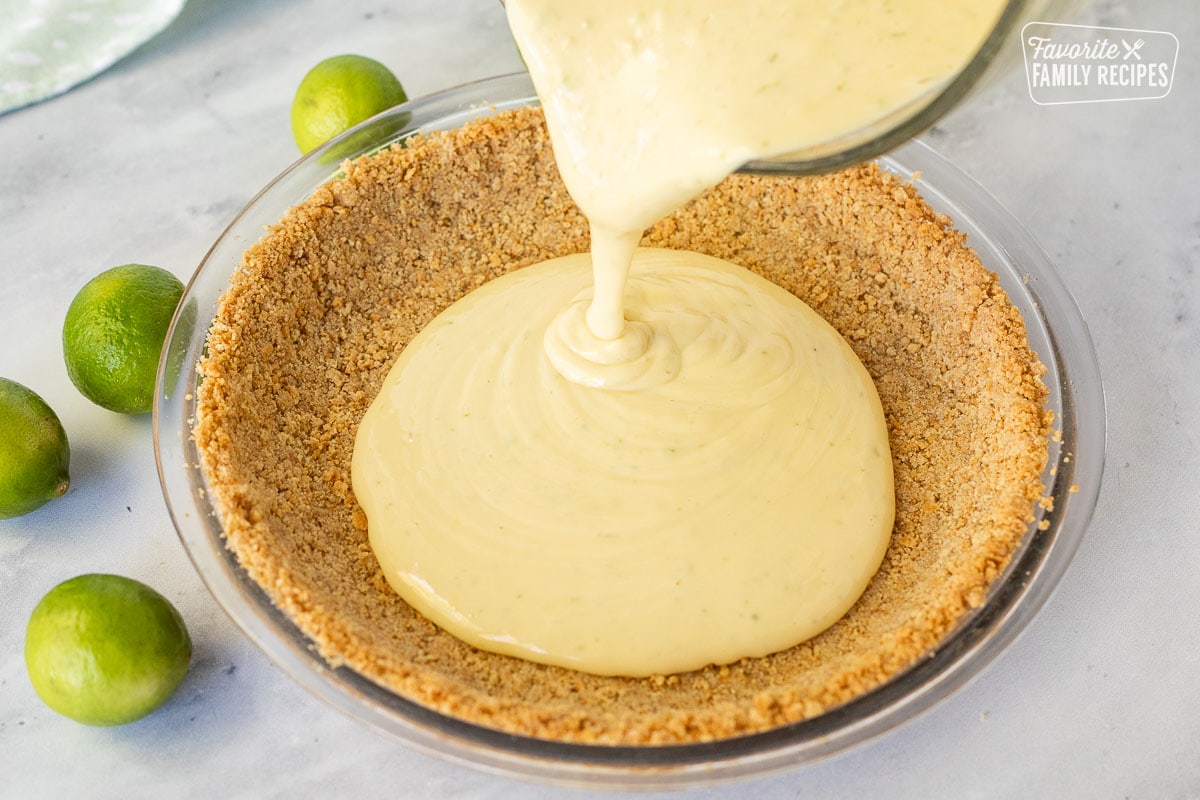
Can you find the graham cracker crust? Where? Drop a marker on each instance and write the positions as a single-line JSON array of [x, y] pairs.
[[326, 300]]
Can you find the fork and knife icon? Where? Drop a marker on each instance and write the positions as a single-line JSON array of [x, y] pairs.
[[1132, 49]]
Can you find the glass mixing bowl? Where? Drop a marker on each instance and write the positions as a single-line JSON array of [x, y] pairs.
[[1056, 332], [999, 53]]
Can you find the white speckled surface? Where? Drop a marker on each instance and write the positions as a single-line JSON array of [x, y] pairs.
[[150, 160]]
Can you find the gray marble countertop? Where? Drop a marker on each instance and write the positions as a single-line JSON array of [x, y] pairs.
[[150, 160]]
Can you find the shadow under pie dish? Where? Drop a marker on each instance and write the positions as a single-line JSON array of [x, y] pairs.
[[282, 341]]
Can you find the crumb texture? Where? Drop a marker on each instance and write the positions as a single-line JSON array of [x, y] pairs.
[[309, 326]]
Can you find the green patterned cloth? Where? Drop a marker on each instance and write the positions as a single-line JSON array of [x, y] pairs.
[[48, 46]]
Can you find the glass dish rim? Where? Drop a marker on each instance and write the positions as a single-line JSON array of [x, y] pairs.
[[1023, 589]]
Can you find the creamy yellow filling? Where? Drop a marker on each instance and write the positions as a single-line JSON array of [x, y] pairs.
[[732, 510], [646, 461]]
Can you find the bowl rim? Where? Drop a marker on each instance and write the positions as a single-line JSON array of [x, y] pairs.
[[1073, 378]]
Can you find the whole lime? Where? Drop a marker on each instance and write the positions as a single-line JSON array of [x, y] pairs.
[[339, 93], [105, 650], [34, 454], [114, 332]]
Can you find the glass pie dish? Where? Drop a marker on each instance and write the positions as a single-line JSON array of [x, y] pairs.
[[1055, 331]]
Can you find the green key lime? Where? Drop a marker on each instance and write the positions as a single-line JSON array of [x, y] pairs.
[[339, 93], [114, 332], [105, 650], [34, 454]]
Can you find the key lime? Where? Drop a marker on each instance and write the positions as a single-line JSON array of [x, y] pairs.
[[105, 650], [114, 332], [34, 454], [339, 93]]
